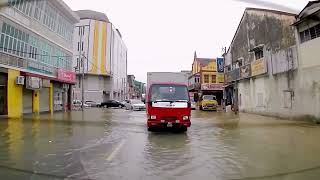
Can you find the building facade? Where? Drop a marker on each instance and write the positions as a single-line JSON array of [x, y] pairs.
[[131, 87], [104, 58], [261, 63], [36, 56], [306, 100], [206, 78]]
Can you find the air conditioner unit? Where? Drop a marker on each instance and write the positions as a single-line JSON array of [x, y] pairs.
[[20, 80]]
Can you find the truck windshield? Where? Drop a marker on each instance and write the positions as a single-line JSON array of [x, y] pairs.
[[209, 97], [172, 93]]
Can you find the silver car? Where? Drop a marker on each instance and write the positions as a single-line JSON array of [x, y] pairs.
[[137, 105]]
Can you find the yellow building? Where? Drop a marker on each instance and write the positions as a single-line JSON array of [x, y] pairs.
[[205, 77]]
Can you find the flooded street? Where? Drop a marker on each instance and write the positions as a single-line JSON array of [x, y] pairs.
[[115, 144]]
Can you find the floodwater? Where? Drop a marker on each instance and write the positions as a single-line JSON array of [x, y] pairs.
[[115, 144]]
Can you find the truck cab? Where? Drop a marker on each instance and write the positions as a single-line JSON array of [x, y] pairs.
[[168, 105]]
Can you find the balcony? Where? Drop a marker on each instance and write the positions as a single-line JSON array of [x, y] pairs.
[[255, 68], [195, 86]]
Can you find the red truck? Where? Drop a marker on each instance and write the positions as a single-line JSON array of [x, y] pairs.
[[168, 102]]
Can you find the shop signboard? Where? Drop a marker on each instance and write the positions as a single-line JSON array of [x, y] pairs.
[[220, 65], [220, 77], [258, 67], [33, 82], [66, 76], [232, 75], [213, 87], [245, 71]]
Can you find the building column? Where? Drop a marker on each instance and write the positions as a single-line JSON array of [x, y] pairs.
[[14, 95], [51, 98], [36, 101]]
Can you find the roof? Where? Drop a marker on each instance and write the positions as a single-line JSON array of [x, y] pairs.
[[271, 11], [204, 61], [89, 14], [311, 9], [258, 9], [66, 10]]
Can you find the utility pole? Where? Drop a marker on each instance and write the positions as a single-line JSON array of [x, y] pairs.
[[82, 65]]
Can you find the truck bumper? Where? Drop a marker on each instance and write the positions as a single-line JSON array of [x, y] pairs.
[[158, 124]]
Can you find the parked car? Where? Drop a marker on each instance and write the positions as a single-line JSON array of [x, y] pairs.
[[137, 105], [78, 104], [111, 103], [92, 103], [126, 103], [208, 102]]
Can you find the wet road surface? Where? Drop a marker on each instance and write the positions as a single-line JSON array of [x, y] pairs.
[[115, 144]]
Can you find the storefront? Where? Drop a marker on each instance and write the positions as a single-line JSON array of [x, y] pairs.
[[213, 89], [3, 93], [58, 97], [62, 90]]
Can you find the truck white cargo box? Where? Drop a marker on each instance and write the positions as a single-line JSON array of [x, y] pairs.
[[167, 77]]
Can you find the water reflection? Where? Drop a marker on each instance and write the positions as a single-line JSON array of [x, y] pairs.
[[15, 141], [165, 151]]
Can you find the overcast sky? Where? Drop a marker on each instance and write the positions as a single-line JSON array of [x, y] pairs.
[[162, 35]]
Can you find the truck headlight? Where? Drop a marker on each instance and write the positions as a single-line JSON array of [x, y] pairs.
[[185, 118], [153, 117]]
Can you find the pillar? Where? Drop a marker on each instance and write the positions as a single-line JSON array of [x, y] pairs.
[[36, 101], [15, 93], [51, 98]]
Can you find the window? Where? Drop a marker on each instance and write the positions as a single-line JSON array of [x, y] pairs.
[[24, 6], [309, 34], [258, 54], [213, 79], [38, 11], [260, 100], [50, 17], [206, 79], [209, 97]]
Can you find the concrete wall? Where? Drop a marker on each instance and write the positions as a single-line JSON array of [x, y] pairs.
[[309, 53], [119, 66], [307, 92], [259, 27]]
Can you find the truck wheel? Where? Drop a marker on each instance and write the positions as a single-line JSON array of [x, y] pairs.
[[184, 129], [201, 108], [150, 129]]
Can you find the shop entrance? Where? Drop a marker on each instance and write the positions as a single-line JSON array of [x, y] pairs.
[[218, 94], [3, 94]]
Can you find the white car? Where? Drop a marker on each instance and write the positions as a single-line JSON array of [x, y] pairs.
[[137, 105], [78, 104], [92, 103]]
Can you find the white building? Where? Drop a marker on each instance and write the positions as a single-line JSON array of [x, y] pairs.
[[272, 65], [36, 48], [307, 90], [105, 62]]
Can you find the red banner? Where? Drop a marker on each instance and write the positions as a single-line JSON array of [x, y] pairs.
[[67, 76], [214, 87]]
